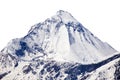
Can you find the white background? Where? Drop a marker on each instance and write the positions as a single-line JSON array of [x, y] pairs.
[[101, 17]]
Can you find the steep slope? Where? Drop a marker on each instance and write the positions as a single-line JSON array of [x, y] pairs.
[[60, 38], [110, 71], [60, 48], [51, 70]]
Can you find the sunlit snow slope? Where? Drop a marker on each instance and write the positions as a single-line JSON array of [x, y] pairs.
[[60, 48], [60, 38]]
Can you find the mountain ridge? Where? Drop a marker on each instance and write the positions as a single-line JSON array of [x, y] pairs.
[[48, 37], [60, 45]]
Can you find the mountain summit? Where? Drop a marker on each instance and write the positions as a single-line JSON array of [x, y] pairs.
[[66, 17], [58, 42], [60, 38]]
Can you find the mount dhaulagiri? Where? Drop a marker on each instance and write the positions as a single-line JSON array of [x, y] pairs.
[[60, 48]]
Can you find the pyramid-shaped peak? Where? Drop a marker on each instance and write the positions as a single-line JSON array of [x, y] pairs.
[[66, 16], [60, 38], [62, 12]]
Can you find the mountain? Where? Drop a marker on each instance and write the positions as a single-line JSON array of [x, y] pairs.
[[60, 48], [110, 71]]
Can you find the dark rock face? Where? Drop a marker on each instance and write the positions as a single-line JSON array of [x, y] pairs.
[[4, 74], [20, 52], [8, 61], [117, 72], [27, 70]]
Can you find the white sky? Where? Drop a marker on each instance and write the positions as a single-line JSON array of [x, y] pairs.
[[101, 17]]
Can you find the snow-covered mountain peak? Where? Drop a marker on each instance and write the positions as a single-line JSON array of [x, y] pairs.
[[61, 38], [60, 48], [66, 17]]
